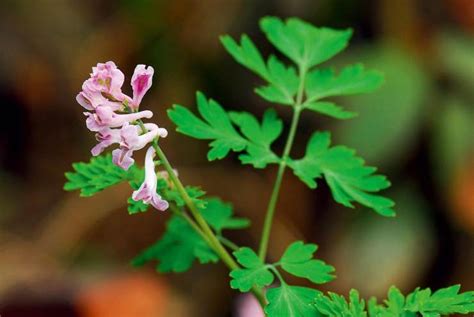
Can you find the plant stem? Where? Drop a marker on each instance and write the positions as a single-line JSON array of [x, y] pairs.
[[212, 240], [231, 245], [190, 221], [220, 250], [267, 225]]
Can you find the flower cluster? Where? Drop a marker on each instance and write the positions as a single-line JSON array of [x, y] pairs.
[[114, 117]]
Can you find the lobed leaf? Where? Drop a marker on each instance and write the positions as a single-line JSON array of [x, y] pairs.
[[330, 109], [177, 249], [254, 273], [443, 302], [256, 140], [219, 216], [291, 301], [354, 79], [261, 136], [283, 81], [303, 43], [298, 261], [347, 176], [172, 194], [96, 175], [216, 127], [335, 305]]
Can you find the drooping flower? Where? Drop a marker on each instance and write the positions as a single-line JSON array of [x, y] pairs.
[[141, 82], [147, 191], [113, 115], [106, 137], [131, 140], [105, 117]]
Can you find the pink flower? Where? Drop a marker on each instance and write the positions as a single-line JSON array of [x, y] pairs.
[[147, 191], [90, 97], [248, 306], [131, 140], [106, 137], [141, 82], [105, 117], [108, 79]]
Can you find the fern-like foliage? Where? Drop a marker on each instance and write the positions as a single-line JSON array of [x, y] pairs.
[[424, 302]]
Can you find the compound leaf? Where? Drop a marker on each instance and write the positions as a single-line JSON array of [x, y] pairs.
[[96, 175], [347, 176], [178, 248], [216, 127], [444, 301], [335, 305], [283, 81]]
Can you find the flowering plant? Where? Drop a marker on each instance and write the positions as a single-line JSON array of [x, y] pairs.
[[195, 230]]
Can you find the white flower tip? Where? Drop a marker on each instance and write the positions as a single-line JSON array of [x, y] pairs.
[[147, 114], [162, 132]]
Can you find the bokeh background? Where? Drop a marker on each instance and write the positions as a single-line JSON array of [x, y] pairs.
[[61, 255]]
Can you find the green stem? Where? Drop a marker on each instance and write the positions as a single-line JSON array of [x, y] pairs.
[[212, 240], [267, 225], [277, 273], [190, 221], [202, 227], [220, 250], [231, 245]]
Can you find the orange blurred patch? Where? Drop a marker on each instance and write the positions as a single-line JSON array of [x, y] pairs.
[[124, 296], [462, 196], [463, 11]]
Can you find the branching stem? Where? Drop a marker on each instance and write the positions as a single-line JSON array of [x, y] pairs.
[[211, 237], [267, 225]]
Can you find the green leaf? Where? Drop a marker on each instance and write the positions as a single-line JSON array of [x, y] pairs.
[[347, 176], [283, 85], [298, 260], [216, 127], [195, 193], [96, 175], [354, 79], [258, 137], [442, 302], [291, 301], [330, 109], [255, 272], [303, 43], [261, 136], [335, 305], [135, 207], [283, 81], [246, 54], [178, 248], [219, 215]]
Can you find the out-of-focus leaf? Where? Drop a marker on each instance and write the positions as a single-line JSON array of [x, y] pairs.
[[390, 117], [453, 139], [456, 58], [386, 251]]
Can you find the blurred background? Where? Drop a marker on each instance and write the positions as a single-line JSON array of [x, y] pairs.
[[61, 255]]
